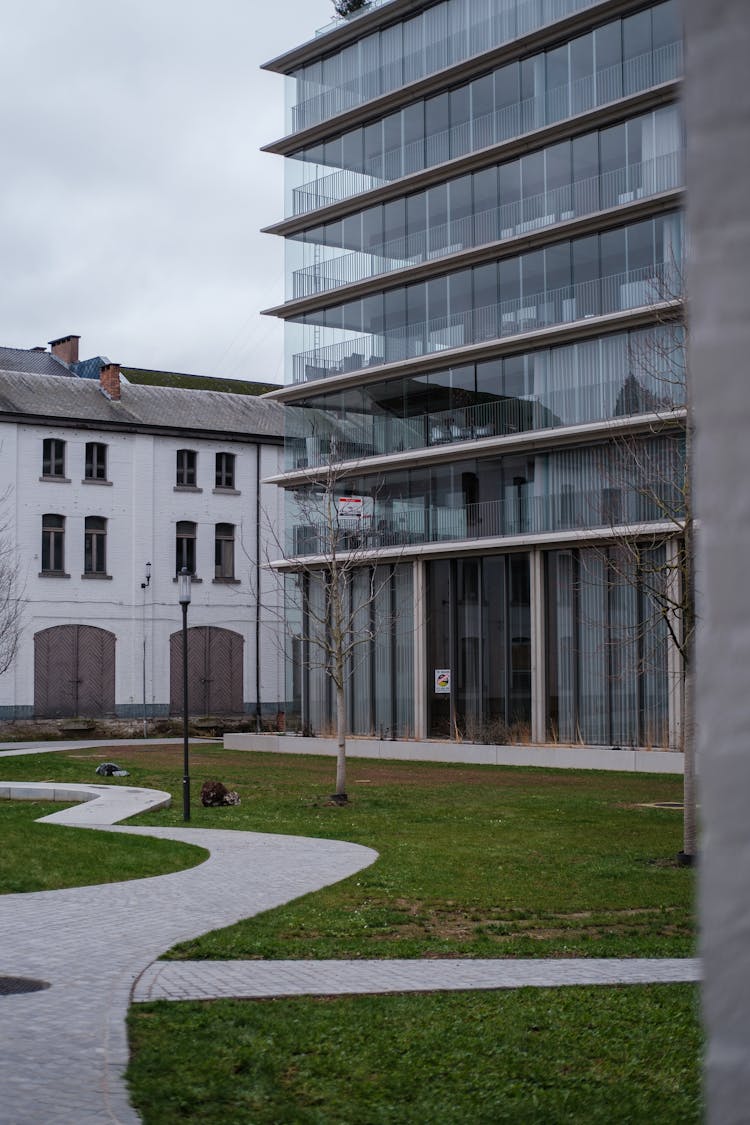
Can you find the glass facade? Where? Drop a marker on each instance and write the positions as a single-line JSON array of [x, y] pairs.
[[478, 620], [606, 650], [498, 573], [629, 267], [444, 34], [598, 170], [608, 377], [379, 613], [592, 486], [621, 58]]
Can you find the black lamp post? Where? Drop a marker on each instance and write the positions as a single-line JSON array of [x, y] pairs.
[[183, 595]]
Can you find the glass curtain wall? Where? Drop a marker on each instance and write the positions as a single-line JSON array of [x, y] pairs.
[[478, 629], [380, 667], [626, 373], [618, 59], [629, 267], [444, 34], [598, 170], [606, 649], [622, 482]]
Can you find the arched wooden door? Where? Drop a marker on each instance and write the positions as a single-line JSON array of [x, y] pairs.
[[214, 671], [74, 672]]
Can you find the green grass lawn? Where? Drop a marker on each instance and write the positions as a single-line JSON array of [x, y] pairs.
[[45, 857], [542, 1056], [474, 861]]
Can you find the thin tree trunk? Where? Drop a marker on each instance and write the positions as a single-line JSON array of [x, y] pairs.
[[341, 742], [689, 816]]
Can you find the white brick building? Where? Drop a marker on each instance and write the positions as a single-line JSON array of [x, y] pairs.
[[106, 498]]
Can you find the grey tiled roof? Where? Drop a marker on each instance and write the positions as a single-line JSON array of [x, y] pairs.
[[36, 363], [81, 400]]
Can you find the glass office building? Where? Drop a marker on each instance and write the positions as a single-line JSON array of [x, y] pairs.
[[484, 362]]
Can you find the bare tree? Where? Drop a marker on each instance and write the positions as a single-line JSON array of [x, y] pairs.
[[653, 473], [340, 577], [11, 597]]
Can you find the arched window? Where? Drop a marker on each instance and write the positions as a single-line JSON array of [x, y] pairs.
[[187, 468], [96, 461]]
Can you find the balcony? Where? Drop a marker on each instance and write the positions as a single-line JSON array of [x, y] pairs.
[[515, 516], [616, 293], [561, 204], [558, 104]]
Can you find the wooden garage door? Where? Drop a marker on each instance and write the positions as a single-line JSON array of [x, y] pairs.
[[74, 672], [214, 671]]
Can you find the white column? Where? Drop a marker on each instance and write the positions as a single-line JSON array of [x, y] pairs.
[[420, 653], [538, 664]]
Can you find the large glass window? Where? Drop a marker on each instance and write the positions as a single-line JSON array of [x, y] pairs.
[[185, 546], [606, 168], [621, 57], [96, 461], [187, 468], [623, 268], [224, 552]]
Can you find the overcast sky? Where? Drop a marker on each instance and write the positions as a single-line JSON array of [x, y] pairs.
[[132, 189]]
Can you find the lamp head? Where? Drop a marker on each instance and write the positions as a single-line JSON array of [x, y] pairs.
[[184, 580]]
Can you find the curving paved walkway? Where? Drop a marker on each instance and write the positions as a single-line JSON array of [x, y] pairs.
[[63, 1050]]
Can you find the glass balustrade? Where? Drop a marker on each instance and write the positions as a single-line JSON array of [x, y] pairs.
[[380, 164], [518, 515], [508, 220], [618, 292], [445, 34]]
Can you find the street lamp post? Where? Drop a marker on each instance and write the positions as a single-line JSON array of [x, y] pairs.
[[183, 594]]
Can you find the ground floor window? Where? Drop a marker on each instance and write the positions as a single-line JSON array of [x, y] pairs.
[[606, 652], [379, 611], [478, 648]]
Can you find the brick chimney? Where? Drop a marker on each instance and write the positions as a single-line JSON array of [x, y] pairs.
[[109, 380], [65, 349]]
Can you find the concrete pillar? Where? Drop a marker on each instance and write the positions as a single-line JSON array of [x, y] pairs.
[[718, 128], [420, 654]]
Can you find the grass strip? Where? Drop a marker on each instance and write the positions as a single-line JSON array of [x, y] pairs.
[[47, 857], [594, 1054]]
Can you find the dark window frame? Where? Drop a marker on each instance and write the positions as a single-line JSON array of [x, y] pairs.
[[186, 535], [225, 470], [186, 468], [95, 545], [53, 458], [95, 464], [53, 543], [224, 552]]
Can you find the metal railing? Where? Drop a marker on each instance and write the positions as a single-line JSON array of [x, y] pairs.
[[565, 101], [520, 514], [508, 220], [616, 293]]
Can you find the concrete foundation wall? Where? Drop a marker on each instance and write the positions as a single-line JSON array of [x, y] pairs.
[[555, 757]]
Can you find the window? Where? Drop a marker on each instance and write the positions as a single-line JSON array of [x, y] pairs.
[[225, 470], [187, 463], [53, 544], [224, 551], [95, 545], [185, 552], [53, 458], [96, 461]]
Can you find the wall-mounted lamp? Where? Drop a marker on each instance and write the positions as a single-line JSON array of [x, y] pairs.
[[148, 577]]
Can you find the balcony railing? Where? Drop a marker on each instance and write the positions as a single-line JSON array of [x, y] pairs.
[[571, 201], [517, 515], [384, 435], [427, 59], [568, 100], [616, 293]]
